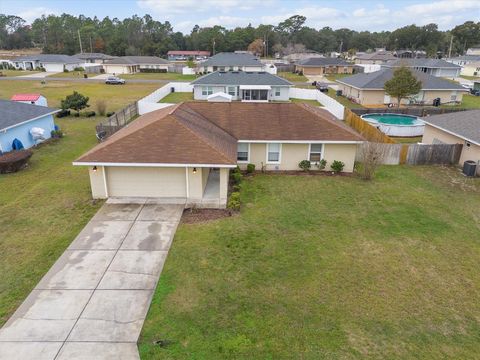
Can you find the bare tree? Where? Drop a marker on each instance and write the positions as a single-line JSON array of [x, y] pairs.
[[372, 155]]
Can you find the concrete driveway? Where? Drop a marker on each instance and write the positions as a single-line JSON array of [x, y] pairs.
[[39, 75], [93, 301]]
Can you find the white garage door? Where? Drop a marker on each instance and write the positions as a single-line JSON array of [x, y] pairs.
[[146, 182], [53, 67]]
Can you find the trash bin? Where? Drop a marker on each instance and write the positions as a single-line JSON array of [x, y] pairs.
[[172, 89], [436, 102], [339, 92], [469, 168]]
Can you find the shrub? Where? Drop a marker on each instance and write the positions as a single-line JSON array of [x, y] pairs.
[[75, 101], [110, 113], [234, 201], [56, 134], [101, 107], [89, 113], [236, 177], [65, 70], [322, 164], [237, 187], [337, 166], [63, 113], [14, 161], [153, 70], [305, 165], [79, 68], [250, 168]]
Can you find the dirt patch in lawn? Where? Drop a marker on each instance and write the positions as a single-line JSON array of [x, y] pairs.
[[193, 216]]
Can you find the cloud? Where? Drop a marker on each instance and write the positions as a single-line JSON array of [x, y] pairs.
[[166, 7], [33, 13]]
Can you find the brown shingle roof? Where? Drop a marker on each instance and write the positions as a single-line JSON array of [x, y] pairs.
[[207, 133]]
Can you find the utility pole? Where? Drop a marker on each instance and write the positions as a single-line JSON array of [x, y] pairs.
[[80, 41], [450, 47], [213, 46], [91, 48]]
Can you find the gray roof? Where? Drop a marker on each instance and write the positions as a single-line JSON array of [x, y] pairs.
[[326, 61], [427, 63], [94, 56], [137, 60], [241, 78], [232, 59], [14, 112], [465, 124], [379, 55], [377, 79], [465, 58], [50, 58]]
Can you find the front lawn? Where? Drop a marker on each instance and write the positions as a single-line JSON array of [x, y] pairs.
[[171, 76], [292, 77], [177, 97], [18, 72], [468, 102], [71, 75], [327, 268]]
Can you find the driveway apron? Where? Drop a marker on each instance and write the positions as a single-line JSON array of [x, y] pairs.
[[93, 301]]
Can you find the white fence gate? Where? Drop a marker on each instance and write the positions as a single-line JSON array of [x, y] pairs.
[[151, 102]]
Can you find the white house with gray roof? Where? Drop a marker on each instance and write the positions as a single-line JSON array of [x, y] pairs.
[[231, 62], [49, 62], [368, 89], [134, 64], [435, 67], [242, 85]]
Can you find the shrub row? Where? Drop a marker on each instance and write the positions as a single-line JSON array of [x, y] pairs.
[[337, 165]]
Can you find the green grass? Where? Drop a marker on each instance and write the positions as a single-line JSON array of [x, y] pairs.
[[408, 140], [71, 75], [468, 102], [311, 102], [177, 97], [293, 77], [159, 76], [343, 100], [43, 207], [18, 72], [327, 268], [470, 77]]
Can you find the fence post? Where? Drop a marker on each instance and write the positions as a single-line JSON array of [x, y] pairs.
[[403, 154]]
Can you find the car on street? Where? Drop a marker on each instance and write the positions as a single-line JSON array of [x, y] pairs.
[[114, 80]]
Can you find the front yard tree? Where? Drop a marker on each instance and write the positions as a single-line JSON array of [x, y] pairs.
[[75, 101], [402, 84]]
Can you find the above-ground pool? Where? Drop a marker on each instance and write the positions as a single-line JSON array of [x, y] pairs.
[[396, 124]]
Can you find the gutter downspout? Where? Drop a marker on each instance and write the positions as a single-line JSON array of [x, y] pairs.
[[104, 172], [187, 183]]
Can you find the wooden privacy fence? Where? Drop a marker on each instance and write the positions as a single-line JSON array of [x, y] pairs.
[[117, 121], [415, 154], [368, 131]]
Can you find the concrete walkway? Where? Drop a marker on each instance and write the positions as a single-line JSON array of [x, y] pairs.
[[94, 300]]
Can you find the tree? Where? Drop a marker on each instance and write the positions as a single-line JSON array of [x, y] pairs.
[[256, 47], [402, 84], [75, 101]]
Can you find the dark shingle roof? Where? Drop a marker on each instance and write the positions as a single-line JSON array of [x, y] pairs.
[[379, 55], [241, 78], [13, 112], [94, 56], [316, 61], [377, 79], [50, 58], [465, 124], [232, 59], [137, 60], [428, 63]]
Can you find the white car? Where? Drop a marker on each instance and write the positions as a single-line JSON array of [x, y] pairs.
[[113, 80]]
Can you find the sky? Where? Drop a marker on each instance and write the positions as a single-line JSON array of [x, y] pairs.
[[358, 15]]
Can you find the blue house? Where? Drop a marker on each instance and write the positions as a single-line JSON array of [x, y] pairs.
[[17, 120]]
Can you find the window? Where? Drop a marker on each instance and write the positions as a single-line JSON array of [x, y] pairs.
[[453, 96], [242, 152], [273, 153], [231, 90], [315, 152], [277, 91], [207, 90]]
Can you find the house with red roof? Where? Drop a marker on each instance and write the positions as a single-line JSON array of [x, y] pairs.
[[34, 99]]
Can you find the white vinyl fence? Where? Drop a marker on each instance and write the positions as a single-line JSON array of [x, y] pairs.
[[330, 104], [151, 102]]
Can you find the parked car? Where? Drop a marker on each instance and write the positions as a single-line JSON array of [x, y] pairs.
[[475, 92], [113, 80]]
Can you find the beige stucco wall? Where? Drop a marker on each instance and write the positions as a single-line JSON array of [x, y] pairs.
[[320, 70], [342, 152], [96, 182], [195, 183], [224, 176], [468, 153], [471, 70]]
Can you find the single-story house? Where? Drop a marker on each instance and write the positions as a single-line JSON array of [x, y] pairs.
[[474, 50], [231, 62], [460, 127], [94, 58], [33, 99], [242, 85], [184, 55], [50, 62], [410, 54], [134, 64], [435, 67], [368, 89], [463, 60], [186, 150], [377, 57], [298, 56], [17, 121], [471, 69], [320, 66]]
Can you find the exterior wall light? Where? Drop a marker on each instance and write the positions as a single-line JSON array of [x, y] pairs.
[[194, 170], [94, 169]]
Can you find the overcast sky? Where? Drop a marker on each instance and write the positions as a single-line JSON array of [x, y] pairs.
[[184, 14]]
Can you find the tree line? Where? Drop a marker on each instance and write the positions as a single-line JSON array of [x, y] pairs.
[[145, 36]]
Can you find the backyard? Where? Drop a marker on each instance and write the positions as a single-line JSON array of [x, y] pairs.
[[343, 100], [333, 268], [468, 102], [292, 77], [177, 97]]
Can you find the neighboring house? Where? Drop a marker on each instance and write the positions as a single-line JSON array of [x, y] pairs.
[[134, 64], [5, 64], [472, 69], [435, 67], [185, 151], [17, 119], [94, 58], [50, 62], [410, 54], [368, 89], [321, 66], [460, 127], [184, 55], [33, 99], [377, 57], [474, 50], [296, 57], [231, 61], [244, 86], [463, 60]]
